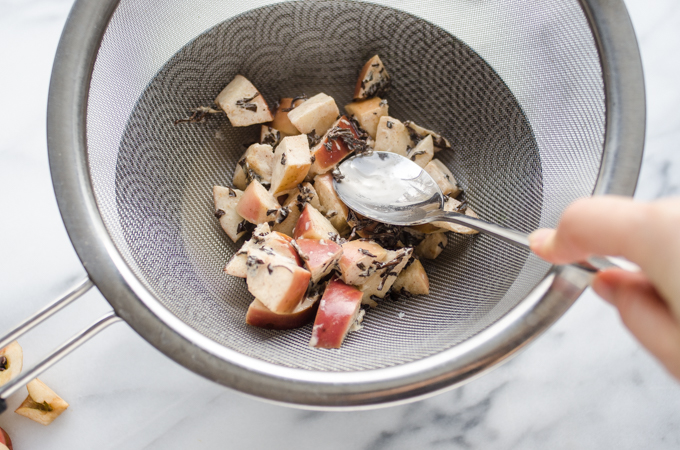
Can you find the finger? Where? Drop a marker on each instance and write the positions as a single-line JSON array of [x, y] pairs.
[[594, 226], [644, 313]]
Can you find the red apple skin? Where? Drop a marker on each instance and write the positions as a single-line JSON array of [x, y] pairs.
[[337, 312], [325, 160], [255, 202], [319, 255], [313, 225], [4, 439], [283, 245], [260, 316]]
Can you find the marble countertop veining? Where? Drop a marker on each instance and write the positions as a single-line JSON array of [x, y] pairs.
[[584, 384]]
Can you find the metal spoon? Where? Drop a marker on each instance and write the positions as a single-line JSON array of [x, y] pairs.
[[392, 189]]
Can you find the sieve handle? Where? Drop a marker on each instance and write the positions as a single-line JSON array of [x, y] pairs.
[[73, 294], [519, 239]]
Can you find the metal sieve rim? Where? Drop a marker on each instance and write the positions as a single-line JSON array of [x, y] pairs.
[[67, 148]]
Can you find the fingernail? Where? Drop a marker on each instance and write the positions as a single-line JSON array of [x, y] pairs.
[[604, 289], [538, 238]]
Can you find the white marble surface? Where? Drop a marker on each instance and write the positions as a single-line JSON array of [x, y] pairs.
[[585, 384]]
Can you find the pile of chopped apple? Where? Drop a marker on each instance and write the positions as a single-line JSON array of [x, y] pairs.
[[309, 257]]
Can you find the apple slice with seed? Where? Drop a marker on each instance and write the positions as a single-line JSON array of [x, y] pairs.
[[243, 103], [270, 135], [320, 256], [279, 283], [338, 312], [42, 405], [11, 362], [313, 225], [257, 205], [315, 115]]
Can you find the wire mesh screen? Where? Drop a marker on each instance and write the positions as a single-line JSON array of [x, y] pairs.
[[515, 86]]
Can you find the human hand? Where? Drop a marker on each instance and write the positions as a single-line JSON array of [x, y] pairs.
[[647, 234]]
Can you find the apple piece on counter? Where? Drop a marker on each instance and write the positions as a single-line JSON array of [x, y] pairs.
[[292, 161], [373, 80], [313, 225], [331, 205], [443, 177], [5, 441], [432, 245], [225, 211], [237, 264], [338, 312], [339, 142], [42, 404], [451, 204], [293, 206], [423, 152], [243, 103], [257, 205], [259, 315], [279, 283], [392, 136], [360, 260], [316, 114], [379, 284], [281, 121], [11, 362], [412, 280], [255, 164], [417, 133], [270, 135], [320, 256], [368, 113]]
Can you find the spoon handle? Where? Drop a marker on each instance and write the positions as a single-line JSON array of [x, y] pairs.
[[519, 239], [513, 237]]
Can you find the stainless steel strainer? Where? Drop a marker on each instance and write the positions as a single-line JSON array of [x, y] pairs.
[[543, 103]]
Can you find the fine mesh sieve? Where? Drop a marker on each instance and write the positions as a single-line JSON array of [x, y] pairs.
[[524, 91]]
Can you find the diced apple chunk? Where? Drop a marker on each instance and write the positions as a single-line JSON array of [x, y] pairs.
[[5, 441], [320, 256], [226, 200], [243, 103], [292, 208], [432, 245], [359, 260], [257, 205], [443, 177], [451, 204], [237, 264], [316, 114], [440, 142], [331, 205], [423, 152], [379, 284], [11, 362], [392, 136], [279, 283], [333, 147], [281, 121], [270, 135], [255, 164], [260, 316], [338, 311], [292, 161], [368, 113], [373, 80], [313, 225], [42, 404], [412, 280]]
